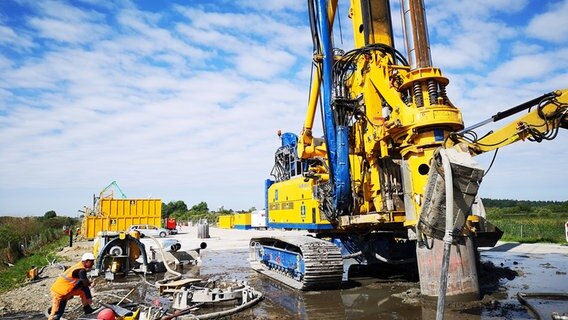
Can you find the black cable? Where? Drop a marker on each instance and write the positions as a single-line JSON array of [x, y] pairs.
[[339, 22], [491, 164], [553, 119], [343, 68], [551, 122], [311, 82], [313, 27], [475, 139]]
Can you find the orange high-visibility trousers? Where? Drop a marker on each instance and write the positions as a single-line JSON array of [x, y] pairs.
[[60, 302]]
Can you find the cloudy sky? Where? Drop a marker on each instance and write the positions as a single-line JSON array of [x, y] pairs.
[[181, 100]]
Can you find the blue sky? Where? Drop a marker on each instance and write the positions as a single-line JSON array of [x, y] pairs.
[[181, 100]]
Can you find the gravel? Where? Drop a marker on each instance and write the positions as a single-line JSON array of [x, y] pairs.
[[34, 297]]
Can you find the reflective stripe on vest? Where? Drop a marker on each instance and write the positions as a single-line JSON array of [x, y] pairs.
[[65, 282]]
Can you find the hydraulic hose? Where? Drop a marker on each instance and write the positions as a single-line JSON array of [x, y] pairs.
[[448, 235], [176, 274], [509, 112], [225, 313], [522, 297], [393, 261]]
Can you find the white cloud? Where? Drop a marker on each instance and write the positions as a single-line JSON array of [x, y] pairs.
[[148, 38], [9, 37], [65, 23], [62, 11], [213, 38], [264, 63], [467, 41], [187, 106], [5, 63], [523, 68], [472, 8], [552, 25], [524, 48], [274, 5], [533, 67], [252, 27]]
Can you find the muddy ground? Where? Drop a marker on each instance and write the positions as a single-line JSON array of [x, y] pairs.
[[376, 295]]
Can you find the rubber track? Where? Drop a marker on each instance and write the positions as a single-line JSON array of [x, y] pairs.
[[323, 264]]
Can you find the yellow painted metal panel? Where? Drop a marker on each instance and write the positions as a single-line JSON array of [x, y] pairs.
[[292, 201], [242, 219], [226, 221], [119, 214]]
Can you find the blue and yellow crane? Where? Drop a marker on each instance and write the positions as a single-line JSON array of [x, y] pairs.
[[372, 190]]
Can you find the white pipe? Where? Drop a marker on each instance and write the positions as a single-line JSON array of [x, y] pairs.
[[393, 261], [448, 235], [177, 274]]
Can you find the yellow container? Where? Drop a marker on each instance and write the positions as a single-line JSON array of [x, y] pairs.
[[242, 221], [226, 221], [119, 214]]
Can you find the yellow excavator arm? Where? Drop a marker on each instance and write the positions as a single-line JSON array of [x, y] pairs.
[[550, 113]]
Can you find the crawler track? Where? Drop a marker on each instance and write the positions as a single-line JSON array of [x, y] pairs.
[[322, 262]]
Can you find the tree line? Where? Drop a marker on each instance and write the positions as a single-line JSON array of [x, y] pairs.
[[525, 207], [179, 210]]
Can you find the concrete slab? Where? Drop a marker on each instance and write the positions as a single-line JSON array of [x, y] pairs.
[[528, 248]]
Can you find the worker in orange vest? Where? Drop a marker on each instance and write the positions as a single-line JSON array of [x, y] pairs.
[[73, 282]]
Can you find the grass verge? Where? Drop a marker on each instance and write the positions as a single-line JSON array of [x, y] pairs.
[[532, 229], [13, 277]]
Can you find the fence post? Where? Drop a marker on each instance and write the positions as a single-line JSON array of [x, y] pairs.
[[566, 230], [521, 231]]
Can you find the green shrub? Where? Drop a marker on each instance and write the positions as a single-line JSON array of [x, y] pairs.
[[21, 237], [12, 277], [532, 229]]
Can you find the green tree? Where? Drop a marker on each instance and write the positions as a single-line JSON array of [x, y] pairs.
[[173, 208], [200, 207], [50, 214], [524, 207], [225, 211], [543, 212], [60, 222]]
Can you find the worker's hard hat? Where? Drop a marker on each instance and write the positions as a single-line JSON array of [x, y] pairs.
[[106, 314], [134, 234], [88, 256]]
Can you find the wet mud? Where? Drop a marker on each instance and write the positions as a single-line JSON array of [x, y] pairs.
[[388, 296], [371, 294]]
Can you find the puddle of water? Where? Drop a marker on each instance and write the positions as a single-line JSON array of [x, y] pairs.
[[371, 298], [538, 273]]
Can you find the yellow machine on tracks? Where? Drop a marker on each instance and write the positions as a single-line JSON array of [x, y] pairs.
[[392, 181]]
